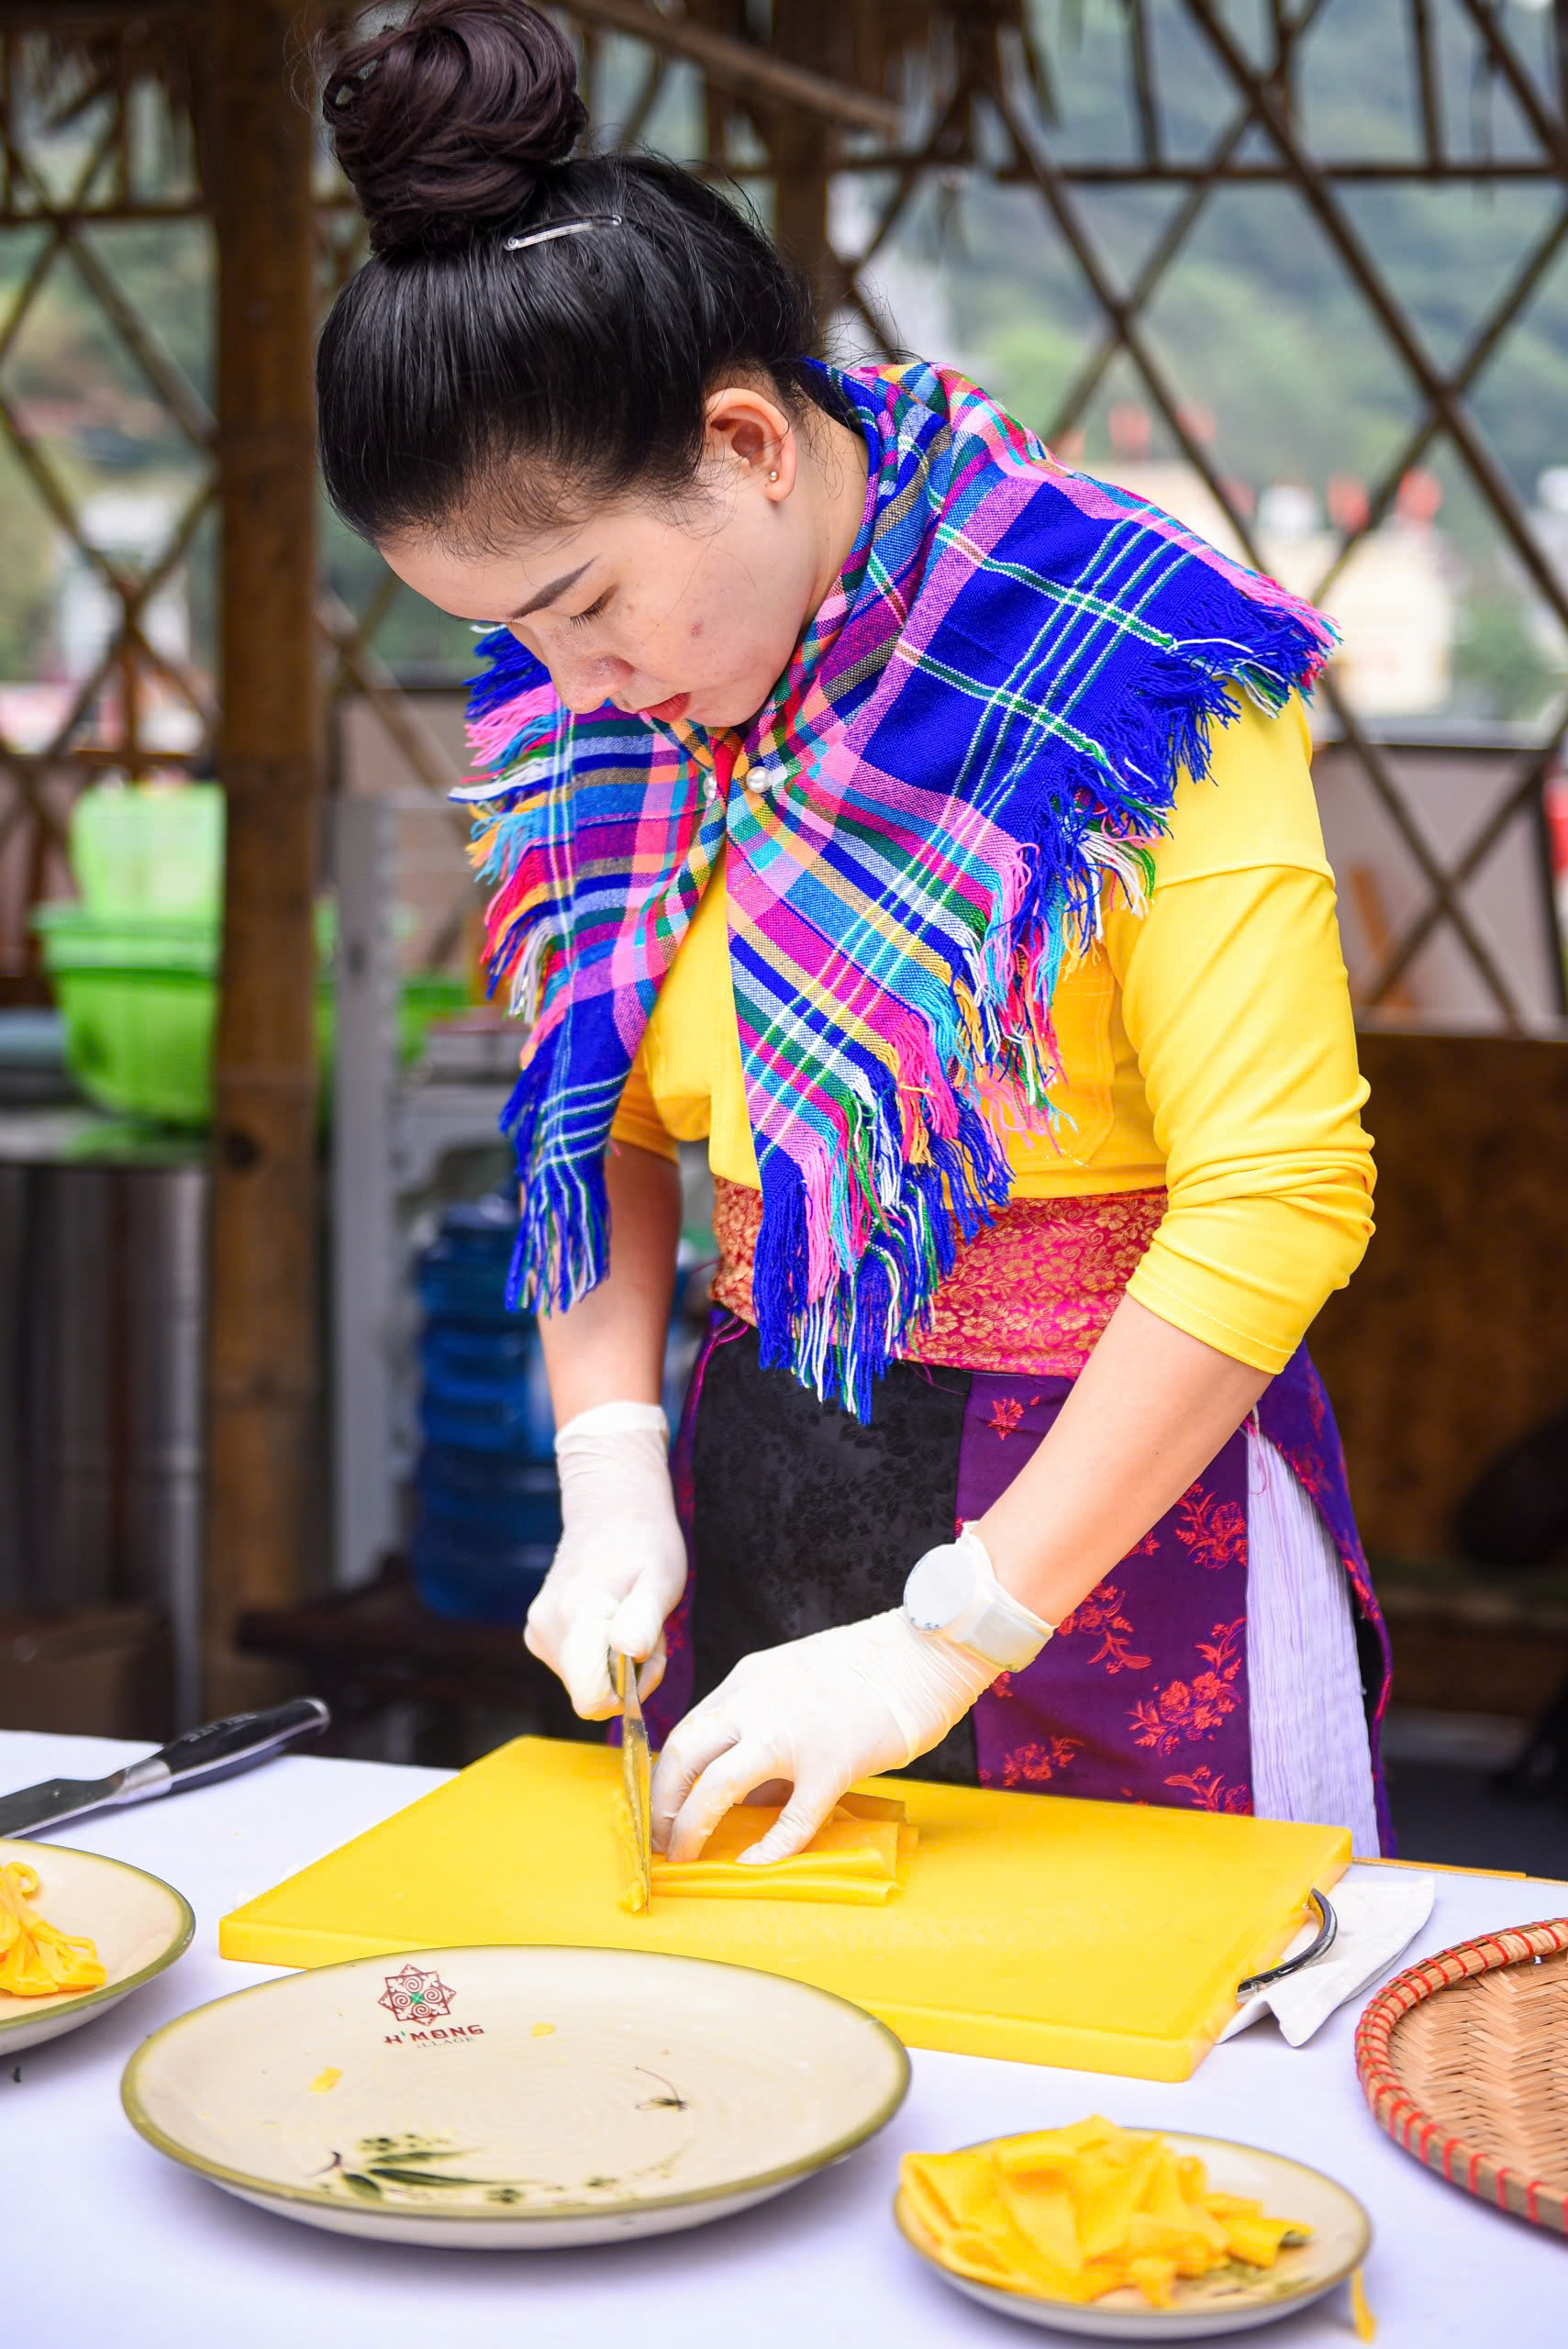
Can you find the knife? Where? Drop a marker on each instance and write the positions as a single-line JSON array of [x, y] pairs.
[[634, 1775], [197, 1759]]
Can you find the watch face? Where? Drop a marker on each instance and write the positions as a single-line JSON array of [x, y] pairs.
[[938, 1587]]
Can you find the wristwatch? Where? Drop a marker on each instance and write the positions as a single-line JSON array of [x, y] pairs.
[[953, 1589]]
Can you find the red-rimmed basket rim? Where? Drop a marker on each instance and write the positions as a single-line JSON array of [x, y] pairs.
[[1393, 2107]]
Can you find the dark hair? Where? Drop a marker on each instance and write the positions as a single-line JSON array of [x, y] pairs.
[[458, 382]]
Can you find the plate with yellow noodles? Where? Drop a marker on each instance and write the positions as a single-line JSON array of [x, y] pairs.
[[78, 1932], [1126, 2234], [514, 2097]]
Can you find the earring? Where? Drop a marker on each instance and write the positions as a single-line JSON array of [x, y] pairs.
[[774, 473]]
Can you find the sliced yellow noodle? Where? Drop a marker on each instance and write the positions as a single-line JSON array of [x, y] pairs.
[[1154, 2277], [37, 1960], [949, 2191], [1257, 2241], [1073, 2214]]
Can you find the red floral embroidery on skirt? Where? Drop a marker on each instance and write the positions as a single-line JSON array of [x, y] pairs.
[[1214, 1531], [1209, 1791], [1101, 1611], [1187, 1710], [1032, 1765]]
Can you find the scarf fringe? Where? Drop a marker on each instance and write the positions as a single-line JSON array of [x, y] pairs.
[[840, 1342], [561, 1250], [513, 725]]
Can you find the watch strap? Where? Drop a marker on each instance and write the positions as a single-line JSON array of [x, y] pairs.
[[989, 1620]]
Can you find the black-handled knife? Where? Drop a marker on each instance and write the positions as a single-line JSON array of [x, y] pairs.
[[197, 1759]]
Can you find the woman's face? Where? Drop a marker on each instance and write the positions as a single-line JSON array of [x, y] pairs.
[[675, 613]]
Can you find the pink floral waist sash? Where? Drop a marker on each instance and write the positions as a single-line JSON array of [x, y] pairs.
[[1031, 1293]]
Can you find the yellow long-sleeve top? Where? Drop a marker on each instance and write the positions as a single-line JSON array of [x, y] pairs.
[[1208, 1047]]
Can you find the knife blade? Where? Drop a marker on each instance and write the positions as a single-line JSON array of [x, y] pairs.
[[201, 1757], [635, 1774]]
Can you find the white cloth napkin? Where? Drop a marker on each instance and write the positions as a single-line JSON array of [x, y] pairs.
[[1378, 1916]]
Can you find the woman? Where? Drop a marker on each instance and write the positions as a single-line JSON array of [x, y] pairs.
[[930, 829]]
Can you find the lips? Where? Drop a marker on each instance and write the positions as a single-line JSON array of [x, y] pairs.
[[666, 712]]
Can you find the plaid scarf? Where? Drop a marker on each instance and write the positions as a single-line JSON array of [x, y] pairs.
[[980, 732]]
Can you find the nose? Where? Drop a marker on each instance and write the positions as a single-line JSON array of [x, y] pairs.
[[583, 685]]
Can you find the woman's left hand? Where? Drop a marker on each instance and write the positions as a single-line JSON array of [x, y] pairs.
[[819, 1714]]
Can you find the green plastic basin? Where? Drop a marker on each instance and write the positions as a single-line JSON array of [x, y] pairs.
[[139, 995]]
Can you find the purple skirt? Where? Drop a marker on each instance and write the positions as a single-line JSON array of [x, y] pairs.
[[797, 1517]]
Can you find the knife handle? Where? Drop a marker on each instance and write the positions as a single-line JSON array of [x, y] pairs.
[[220, 1749]]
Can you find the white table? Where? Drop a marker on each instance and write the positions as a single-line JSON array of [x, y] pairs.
[[109, 2244]]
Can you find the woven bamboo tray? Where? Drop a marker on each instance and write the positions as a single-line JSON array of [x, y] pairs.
[[1464, 2061]]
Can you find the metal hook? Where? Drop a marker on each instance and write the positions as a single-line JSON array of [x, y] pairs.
[[1318, 1948]]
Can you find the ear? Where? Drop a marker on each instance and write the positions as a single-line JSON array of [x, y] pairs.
[[751, 436]]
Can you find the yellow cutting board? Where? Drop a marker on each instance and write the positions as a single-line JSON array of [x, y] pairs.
[[1105, 1936]]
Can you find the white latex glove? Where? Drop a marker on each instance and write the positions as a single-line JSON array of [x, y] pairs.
[[621, 1564], [820, 1713]]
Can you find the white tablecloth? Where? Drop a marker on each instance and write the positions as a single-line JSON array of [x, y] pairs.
[[105, 2243]]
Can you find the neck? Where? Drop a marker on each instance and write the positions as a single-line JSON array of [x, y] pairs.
[[837, 458]]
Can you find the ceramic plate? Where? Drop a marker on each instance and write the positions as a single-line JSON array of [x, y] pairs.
[[509, 2097], [1229, 2302], [139, 1923]]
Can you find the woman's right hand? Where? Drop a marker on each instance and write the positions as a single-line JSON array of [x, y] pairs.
[[621, 1565]]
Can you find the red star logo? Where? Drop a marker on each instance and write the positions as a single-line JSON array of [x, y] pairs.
[[414, 1996]]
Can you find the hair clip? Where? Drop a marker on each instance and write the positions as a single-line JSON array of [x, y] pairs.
[[564, 228]]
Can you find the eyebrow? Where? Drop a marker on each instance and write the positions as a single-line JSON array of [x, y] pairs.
[[548, 595]]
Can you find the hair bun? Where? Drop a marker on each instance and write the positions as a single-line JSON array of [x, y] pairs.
[[445, 124]]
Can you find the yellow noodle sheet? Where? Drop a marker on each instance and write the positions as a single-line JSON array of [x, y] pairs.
[[861, 1855]]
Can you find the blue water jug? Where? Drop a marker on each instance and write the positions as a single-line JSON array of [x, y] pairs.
[[488, 1505], [488, 1502]]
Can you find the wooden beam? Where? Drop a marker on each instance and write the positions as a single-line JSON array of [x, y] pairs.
[[399, 713], [750, 72], [800, 146], [83, 15], [263, 1392]]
